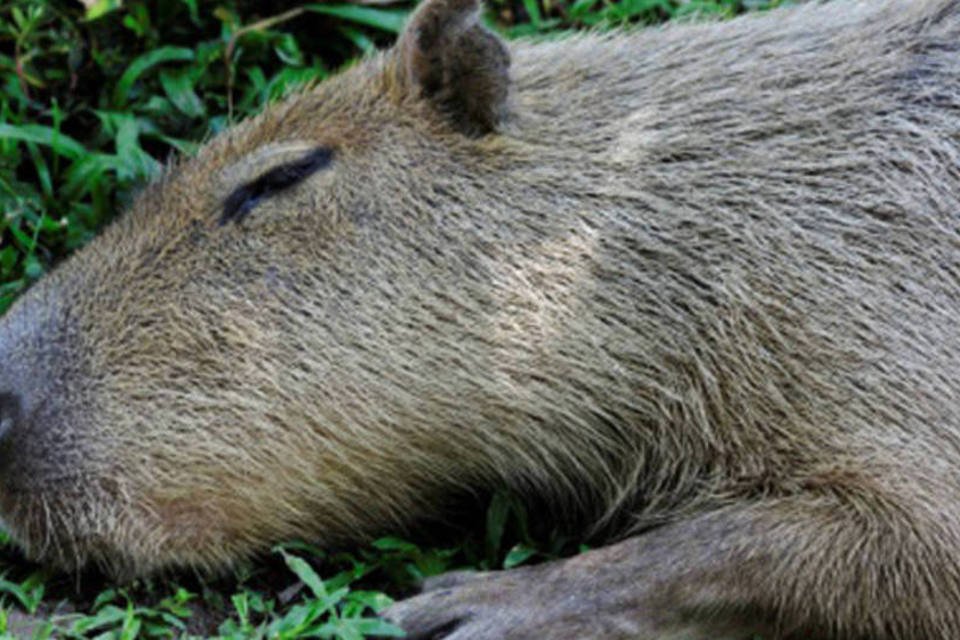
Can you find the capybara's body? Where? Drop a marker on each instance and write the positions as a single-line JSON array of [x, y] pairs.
[[702, 282]]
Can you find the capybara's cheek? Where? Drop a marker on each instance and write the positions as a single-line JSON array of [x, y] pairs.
[[199, 526]]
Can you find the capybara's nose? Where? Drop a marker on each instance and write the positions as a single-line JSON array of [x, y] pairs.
[[10, 415]]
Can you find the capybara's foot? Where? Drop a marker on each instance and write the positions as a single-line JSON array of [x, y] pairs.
[[557, 601], [532, 602]]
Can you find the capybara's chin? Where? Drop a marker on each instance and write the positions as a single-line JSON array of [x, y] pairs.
[[74, 526]]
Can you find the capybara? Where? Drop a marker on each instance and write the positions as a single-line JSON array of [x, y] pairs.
[[699, 285]]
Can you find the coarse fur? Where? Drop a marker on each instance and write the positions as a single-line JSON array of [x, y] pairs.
[[699, 282]]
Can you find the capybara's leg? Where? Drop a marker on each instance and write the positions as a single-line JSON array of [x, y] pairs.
[[808, 566]]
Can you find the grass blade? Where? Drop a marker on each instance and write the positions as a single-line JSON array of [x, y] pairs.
[[144, 63], [390, 20]]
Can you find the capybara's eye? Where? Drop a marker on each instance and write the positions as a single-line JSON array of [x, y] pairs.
[[245, 197]]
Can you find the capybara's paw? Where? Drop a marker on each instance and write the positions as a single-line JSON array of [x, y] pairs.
[[521, 604]]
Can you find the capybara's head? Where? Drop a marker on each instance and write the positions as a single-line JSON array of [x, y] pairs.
[[245, 356]]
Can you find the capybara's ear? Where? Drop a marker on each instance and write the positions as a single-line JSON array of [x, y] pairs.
[[450, 59]]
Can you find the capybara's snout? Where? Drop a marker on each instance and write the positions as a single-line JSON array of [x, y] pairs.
[[11, 422], [77, 469], [18, 400], [35, 382]]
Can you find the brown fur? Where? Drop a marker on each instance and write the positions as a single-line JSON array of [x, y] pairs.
[[706, 276]]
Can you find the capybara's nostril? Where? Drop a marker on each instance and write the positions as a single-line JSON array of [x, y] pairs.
[[9, 415]]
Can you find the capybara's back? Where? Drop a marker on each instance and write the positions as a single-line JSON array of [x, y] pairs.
[[696, 287]]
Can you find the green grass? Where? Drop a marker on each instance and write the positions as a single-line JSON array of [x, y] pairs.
[[91, 104], [301, 591]]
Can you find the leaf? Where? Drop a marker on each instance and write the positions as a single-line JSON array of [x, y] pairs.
[[533, 10], [390, 20], [99, 8], [433, 562], [44, 631], [109, 616], [28, 593], [518, 555], [306, 573], [144, 63], [298, 545], [178, 85], [345, 578], [288, 51], [173, 620], [192, 7], [581, 8], [374, 600], [105, 597], [358, 38], [131, 626], [497, 514], [242, 606], [8, 258], [48, 136], [134, 161], [85, 173], [396, 544], [41, 169], [9, 291], [378, 627], [293, 622]]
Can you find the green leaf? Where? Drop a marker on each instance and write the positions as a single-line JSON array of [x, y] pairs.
[[390, 20], [144, 63], [8, 258], [192, 7], [131, 626], [395, 544], [518, 555], [533, 10], [294, 621], [135, 163], [579, 9], [178, 85], [306, 574], [109, 616], [377, 627], [241, 604], [86, 173], [41, 169], [29, 593], [59, 142], [497, 514], [358, 38], [304, 547], [105, 597], [8, 292], [101, 8], [374, 600], [288, 51]]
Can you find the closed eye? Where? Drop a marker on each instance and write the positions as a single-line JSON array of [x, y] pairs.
[[245, 197]]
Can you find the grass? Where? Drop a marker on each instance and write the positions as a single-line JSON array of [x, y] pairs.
[[92, 102], [301, 591]]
